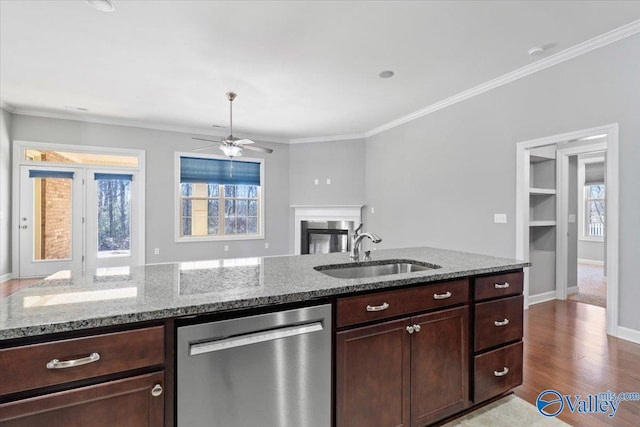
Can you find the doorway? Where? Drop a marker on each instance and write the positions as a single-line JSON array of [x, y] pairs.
[[76, 209], [603, 138]]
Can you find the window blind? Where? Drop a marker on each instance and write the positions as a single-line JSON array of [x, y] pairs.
[[50, 174], [593, 173], [215, 171], [114, 176]]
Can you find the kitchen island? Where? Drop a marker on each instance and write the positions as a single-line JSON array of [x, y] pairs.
[[136, 309]]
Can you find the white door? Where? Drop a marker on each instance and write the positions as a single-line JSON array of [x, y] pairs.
[[112, 222], [50, 222]]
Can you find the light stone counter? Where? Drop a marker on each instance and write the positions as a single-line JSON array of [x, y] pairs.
[[69, 301]]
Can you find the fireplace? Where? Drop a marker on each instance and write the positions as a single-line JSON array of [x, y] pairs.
[[323, 237], [325, 228]]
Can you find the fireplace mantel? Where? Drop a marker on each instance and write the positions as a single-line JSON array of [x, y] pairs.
[[323, 213]]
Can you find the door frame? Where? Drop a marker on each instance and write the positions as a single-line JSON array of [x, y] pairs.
[[18, 161], [611, 132]]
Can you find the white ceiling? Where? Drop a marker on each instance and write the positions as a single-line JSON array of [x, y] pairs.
[[301, 69]]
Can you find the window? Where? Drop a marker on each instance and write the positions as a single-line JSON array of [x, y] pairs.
[[594, 197], [219, 199]]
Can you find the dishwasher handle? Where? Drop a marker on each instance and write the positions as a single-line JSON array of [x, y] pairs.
[[253, 338]]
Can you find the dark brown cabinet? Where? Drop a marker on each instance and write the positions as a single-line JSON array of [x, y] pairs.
[[407, 372], [497, 347], [113, 379], [131, 402]]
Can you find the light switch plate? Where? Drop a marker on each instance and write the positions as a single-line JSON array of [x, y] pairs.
[[500, 218], [572, 218]]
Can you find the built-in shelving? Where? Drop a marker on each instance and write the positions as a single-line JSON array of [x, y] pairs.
[[541, 191], [542, 223]]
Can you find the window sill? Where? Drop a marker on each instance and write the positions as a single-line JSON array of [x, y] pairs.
[[218, 238], [591, 239]]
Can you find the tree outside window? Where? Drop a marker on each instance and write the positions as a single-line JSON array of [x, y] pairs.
[[594, 196]]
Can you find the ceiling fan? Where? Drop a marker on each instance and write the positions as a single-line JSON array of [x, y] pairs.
[[230, 145]]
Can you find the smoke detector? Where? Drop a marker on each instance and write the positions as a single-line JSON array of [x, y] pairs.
[[536, 51]]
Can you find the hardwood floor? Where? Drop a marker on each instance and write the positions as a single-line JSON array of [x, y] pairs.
[[567, 349], [14, 285]]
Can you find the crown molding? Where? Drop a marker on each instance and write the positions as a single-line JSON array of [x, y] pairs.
[[7, 107], [542, 64], [326, 138], [142, 124]]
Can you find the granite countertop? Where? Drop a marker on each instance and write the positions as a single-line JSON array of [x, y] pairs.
[[69, 301]]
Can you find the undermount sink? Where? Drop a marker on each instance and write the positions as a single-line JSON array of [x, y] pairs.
[[374, 268]]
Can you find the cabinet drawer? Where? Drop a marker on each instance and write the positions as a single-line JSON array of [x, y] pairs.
[[125, 402], [498, 322], [25, 368], [499, 285], [382, 305], [497, 371]]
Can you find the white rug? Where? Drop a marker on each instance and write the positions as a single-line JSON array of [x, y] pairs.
[[507, 412]]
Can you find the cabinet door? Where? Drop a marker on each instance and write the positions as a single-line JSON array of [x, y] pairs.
[[440, 365], [372, 376], [123, 403]]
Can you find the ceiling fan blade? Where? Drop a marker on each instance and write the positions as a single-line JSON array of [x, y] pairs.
[[203, 148], [256, 148], [243, 141], [203, 139]]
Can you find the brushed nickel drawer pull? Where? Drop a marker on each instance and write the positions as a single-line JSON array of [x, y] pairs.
[[502, 373], [382, 307], [504, 322], [442, 296], [416, 328], [57, 364], [156, 390], [410, 329], [499, 286]]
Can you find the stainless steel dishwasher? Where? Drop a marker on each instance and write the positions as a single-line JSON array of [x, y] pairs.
[[268, 370]]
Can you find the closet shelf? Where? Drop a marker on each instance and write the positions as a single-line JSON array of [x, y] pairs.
[[550, 223], [542, 191]]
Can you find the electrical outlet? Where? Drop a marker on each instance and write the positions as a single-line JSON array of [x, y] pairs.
[[328, 181], [316, 181], [156, 251], [500, 218], [572, 218], [266, 245], [373, 210], [226, 248]]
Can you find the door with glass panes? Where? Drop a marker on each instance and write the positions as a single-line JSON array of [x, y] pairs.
[[77, 219]]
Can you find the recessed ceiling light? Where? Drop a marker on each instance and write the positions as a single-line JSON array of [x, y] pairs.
[[386, 74], [102, 5], [536, 51]]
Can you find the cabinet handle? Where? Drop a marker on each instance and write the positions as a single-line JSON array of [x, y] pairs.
[[499, 286], [410, 329], [156, 390], [382, 307], [442, 296], [504, 322], [57, 364], [416, 328], [502, 373]]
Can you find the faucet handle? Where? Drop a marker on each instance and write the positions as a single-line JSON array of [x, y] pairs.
[[367, 255], [357, 230]]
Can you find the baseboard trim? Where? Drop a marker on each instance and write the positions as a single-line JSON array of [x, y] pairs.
[[629, 334], [590, 261], [6, 277], [543, 297], [572, 290]]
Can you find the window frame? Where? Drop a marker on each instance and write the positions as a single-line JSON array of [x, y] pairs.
[[178, 237], [582, 200]]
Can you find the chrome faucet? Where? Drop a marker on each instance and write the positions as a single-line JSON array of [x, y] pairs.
[[354, 255]]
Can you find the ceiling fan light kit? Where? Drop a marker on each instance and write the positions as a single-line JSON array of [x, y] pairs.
[[232, 146]]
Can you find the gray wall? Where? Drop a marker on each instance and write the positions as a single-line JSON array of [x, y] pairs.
[[341, 161], [438, 180], [5, 193], [160, 147], [593, 251]]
